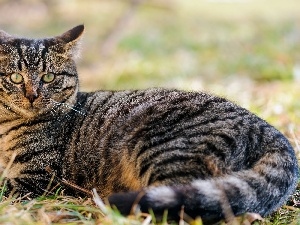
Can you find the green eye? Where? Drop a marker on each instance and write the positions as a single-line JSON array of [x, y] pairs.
[[49, 77], [16, 78]]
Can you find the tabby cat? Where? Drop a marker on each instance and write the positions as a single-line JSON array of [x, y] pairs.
[[160, 149]]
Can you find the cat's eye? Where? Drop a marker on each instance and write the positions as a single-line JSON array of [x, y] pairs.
[[16, 78], [49, 77]]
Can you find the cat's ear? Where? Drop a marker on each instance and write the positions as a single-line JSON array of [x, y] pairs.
[[71, 40], [73, 35], [4, 35]]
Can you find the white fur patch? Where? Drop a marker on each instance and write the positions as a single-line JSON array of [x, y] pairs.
[[162, 196], [208, 188], [214, 189]]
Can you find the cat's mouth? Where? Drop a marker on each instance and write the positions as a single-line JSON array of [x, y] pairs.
[[41, 106]]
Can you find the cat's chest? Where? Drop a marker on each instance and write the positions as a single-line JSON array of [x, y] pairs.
[[9, 139], [18, 138], [9, 134]]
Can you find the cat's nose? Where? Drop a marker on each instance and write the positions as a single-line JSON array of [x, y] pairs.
[[31, 96], [30, 92]]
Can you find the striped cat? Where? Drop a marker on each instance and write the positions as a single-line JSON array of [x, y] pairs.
[[160, 149]]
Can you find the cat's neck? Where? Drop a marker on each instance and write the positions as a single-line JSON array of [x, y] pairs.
[[12, 113], [6, 126], [10, 120]]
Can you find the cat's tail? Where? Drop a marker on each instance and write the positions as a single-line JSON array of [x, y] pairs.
[[261, 189]]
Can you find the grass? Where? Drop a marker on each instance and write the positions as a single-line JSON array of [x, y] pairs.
[[245, 50], [60, 209]]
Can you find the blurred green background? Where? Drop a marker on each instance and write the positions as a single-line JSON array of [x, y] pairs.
[[245, 50]]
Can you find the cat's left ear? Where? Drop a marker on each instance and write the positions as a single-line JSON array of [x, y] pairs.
[[71, 40]]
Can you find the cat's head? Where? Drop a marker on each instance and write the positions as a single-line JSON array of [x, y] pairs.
[[36, 74]]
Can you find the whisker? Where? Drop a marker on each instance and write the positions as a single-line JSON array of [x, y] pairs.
[[67, 106]]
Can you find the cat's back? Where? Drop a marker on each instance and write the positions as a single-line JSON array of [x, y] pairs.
[[158, 115], [132, 102], [155, 107]]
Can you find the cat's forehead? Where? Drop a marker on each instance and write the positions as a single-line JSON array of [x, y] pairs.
[[26, 46], [32, 46], [19, 54]]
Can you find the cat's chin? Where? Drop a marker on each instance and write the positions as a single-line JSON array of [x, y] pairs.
[[29, 112]]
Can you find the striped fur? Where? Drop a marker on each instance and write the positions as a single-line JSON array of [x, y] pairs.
[[162, 149]]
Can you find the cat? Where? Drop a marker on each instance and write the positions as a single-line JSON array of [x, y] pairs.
[[160, 149]]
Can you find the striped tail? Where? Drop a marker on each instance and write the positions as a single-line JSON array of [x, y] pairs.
[[261, 189]]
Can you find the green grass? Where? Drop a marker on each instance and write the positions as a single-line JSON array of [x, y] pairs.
[[246, 51]]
